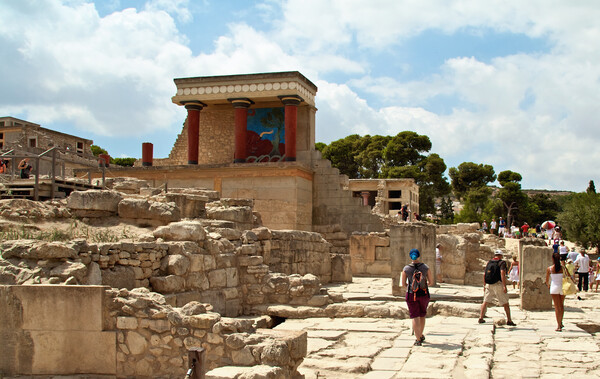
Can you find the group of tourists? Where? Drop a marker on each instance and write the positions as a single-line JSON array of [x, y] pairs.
[[501, 229], [416, 277]]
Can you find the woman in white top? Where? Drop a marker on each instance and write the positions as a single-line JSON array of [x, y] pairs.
[[554, 279]]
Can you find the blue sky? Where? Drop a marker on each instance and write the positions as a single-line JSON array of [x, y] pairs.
[[509, 83]]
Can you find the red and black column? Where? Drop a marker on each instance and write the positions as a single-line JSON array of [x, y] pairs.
[[291, 121], [193, 125], [241, 106]]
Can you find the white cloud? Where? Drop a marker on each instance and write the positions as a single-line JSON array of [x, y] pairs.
[[533, 113]]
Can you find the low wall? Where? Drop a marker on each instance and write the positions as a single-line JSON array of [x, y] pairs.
[[282, 192], [227, 268], [370, 254], [52, 330], [93, 330]]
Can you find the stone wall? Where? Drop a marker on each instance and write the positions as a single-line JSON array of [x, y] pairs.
[[534, 293], [76, 330], [403, 238], [370, 254], [185, 261], [334, 205]]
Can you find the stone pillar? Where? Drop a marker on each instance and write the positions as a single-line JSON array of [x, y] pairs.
[[291, 120], [535, 295], [193, 125], [405, 237], [365, 196], [241, 122], [147, 152]]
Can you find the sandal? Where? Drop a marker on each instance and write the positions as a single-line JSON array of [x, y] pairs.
[[481, 321], [422, 339], [418, 343], [559, 329]]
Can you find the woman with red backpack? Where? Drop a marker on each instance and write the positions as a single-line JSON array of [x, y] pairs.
[[417, 277]]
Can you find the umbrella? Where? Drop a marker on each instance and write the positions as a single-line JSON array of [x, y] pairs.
[[548, 224]]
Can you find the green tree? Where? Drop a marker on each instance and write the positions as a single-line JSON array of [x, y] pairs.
[[446, 211], [320, 146], [581, 218], [401, 156], [591, 187], [469, 175], [126, 162], [97, 150], [342, 153], [513, 198], [548, 208]]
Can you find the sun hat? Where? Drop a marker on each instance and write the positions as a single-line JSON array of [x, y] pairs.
[[414, 254]]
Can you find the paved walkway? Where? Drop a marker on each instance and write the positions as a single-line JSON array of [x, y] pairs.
[[455, 347]]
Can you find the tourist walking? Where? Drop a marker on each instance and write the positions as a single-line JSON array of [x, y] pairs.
[[572, 255], [525, 229], [554, 281], [494, 287], [484, 227], [493, 226], [582, 265], [597, 276], [513, 275], [417, 277], [563, 251], [501, 227]]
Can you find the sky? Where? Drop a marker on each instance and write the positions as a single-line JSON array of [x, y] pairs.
[[513, 84]]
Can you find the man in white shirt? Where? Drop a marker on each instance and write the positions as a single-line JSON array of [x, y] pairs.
[[582, 264], [572, 255]]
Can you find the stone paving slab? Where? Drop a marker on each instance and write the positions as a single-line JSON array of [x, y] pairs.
[[455, 347]]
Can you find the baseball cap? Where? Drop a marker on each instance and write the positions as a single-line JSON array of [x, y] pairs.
[[498, 252]]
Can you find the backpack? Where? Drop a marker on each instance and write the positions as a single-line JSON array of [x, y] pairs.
[[492, 272], [418, 284]]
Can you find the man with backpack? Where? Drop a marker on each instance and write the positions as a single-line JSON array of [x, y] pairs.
[[494, 287], [418, 277]]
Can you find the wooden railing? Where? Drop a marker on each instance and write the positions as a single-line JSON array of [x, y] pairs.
[[51, 155]]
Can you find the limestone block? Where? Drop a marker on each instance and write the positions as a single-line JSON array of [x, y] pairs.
[[232, 277], [136, 343], [345, 310], [341, 270], [262, 233], [119, 277], [127, 323], [192, 206], [252, 260], [94, 275], [236, 214], [196, 262], [95, 200], [181, 231], [202, 321], [177, 264], [197, 281], [150, 210], [168, 284], [225, 260], [158, 326], [382, 253], [31, 249], [242, 372], [68, 269], [217, 278]]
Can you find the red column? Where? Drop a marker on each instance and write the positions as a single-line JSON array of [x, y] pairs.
[[147, 152], [241, 123], [193, 134], [291, 120]]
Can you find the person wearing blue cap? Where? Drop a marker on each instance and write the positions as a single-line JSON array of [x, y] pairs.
[[417, 277]]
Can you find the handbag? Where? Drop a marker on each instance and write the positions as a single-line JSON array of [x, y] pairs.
[[568, 286]]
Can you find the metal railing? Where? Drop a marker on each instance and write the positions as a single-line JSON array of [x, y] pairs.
[[54, 159]]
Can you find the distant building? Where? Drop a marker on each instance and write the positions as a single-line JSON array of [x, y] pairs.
[[387, 196], [30, 139]]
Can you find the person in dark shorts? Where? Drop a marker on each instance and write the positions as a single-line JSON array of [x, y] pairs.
[[417, 277]]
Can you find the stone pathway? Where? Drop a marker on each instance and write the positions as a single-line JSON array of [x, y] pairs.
[[455, 347]]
